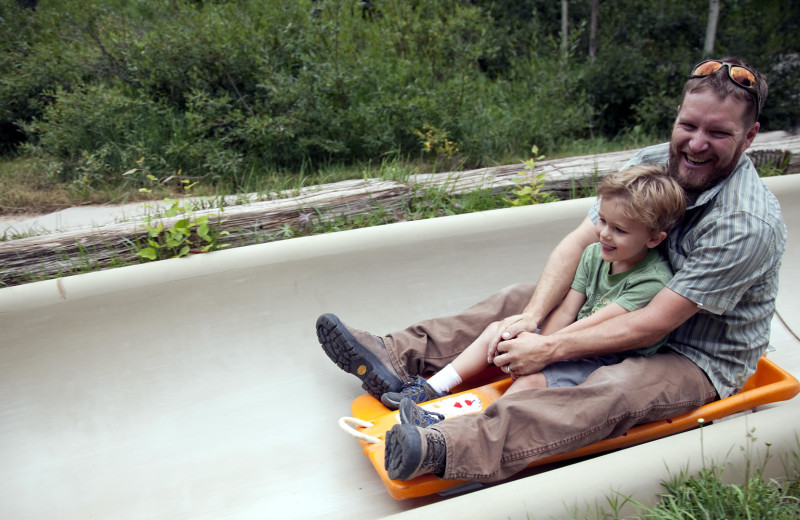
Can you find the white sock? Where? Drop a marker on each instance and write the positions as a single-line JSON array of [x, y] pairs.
[[445, 379]]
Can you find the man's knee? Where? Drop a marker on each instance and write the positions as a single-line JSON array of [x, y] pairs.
[[516, 297], [519, 288]]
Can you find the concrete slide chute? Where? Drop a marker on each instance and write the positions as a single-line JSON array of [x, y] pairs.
[[195, 387]]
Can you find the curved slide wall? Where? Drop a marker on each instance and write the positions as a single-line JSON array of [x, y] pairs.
[[195, 388]]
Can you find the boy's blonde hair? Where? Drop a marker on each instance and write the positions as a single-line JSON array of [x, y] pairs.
[[648, 195]]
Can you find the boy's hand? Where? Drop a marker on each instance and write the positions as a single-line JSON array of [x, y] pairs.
[[509, 328]]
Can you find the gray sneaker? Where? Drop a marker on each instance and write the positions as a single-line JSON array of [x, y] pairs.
[[412, 451], [411, 413], [418, 390], [359, 353]]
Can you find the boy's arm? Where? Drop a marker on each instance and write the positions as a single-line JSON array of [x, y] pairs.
[[611, 310], [553, 285], [565, 314]]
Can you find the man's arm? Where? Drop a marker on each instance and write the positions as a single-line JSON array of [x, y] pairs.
[[554, 282], [611, 310], [529, 353], [558, 272]]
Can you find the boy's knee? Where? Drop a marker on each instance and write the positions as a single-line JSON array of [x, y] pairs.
[[528, 382]]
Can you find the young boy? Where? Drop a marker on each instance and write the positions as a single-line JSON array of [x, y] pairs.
[[620, 273]]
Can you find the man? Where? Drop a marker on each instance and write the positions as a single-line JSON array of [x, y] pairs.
[[718, 307]]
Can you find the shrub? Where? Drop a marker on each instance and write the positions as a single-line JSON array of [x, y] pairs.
[[218, 89]]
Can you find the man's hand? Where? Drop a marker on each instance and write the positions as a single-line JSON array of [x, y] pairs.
[[509, 328], [527, 353]]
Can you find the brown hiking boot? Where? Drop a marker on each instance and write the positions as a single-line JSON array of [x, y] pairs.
[[359, 353], [412, 451]]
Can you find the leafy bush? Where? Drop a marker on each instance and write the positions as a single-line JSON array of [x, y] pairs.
[[226, 90], [34, 58], [191, 234], [98, 132]]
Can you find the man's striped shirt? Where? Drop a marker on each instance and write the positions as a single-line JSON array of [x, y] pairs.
[[726, 255]]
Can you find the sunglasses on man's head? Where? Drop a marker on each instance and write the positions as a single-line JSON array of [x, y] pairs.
[[741, 76]]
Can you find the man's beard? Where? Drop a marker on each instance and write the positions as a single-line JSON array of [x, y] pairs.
[[694, 185]]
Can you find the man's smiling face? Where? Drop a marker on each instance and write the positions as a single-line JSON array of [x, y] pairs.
[[708, 138]]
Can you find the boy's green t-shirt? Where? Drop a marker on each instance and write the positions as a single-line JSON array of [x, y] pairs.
[[632, 289]]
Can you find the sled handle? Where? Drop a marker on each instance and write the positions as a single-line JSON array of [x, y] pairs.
[[347, 423]]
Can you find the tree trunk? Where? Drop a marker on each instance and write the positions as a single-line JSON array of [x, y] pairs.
[[564, 27], [711, 28], [593, 29]]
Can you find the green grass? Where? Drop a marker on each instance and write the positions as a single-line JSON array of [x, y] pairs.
[[712, 495], [708, 496], [26, 188]]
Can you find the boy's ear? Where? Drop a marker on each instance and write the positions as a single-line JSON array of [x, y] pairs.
[[656, 238]]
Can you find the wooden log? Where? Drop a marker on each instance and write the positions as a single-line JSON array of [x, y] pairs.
[[31, 258], [561, 176], [25, 259], [565, 176]]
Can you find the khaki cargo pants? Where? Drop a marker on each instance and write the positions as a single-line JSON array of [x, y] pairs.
[[526, 426]]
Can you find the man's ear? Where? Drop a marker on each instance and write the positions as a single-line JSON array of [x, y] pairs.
[[656, 238], [751, 134]]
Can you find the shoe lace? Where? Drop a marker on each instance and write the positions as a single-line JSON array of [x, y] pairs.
[[432, 416], [436, 453], [416, 384]]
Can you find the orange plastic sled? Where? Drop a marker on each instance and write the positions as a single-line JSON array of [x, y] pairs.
[[371, 420]]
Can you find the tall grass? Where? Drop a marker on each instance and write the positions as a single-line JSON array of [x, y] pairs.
[[712, 495]]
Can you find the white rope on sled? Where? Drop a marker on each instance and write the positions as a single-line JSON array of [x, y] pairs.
[[347, 423]]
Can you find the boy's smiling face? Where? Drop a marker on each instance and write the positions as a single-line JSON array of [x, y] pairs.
[[624, 241]]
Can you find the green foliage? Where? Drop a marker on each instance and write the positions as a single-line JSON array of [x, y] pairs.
[[527, 190], [708, 496], [220, 89], [424, 203], [230, 91], [190, 234], [647, 48], [528, 187], [34, 58]]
